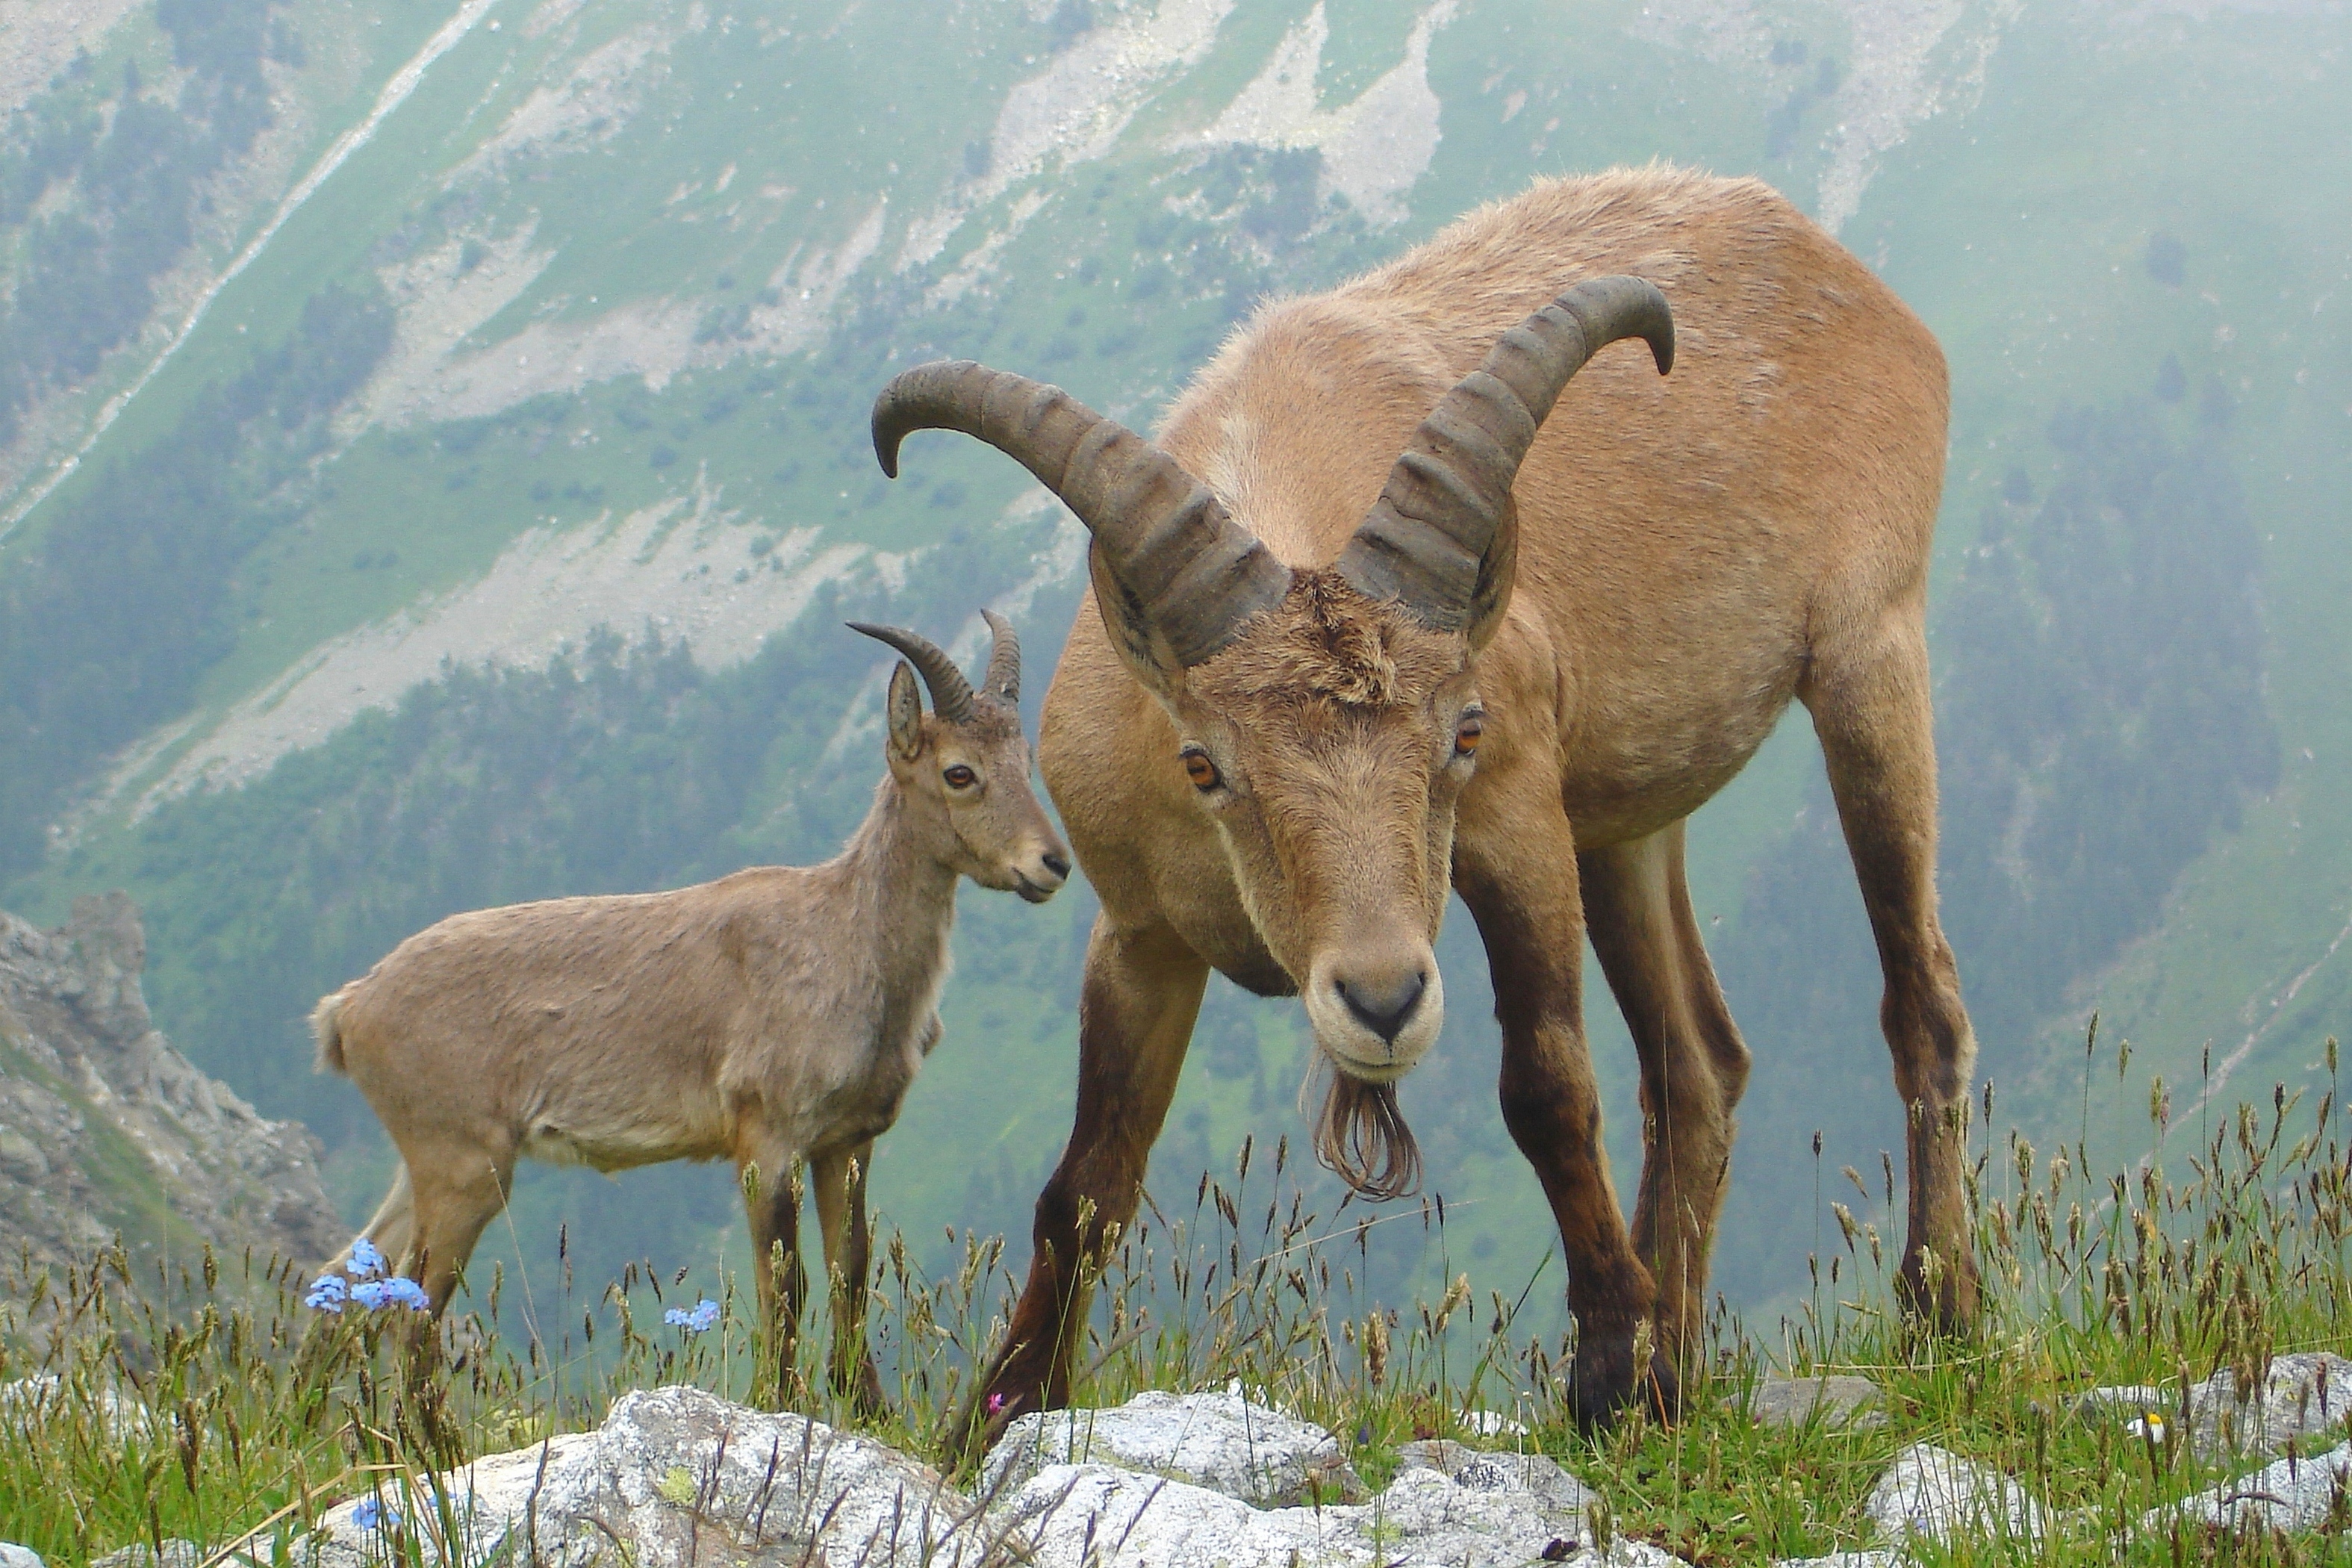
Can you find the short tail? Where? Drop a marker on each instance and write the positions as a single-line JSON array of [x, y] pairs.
[[326, 1027]]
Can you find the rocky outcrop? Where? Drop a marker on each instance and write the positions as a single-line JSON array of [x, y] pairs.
[[105, 1130], [676, 1478]]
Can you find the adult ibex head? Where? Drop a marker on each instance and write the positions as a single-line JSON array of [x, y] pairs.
[[964, 768], [1327, 715]]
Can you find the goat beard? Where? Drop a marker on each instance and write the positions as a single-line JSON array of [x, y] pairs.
[[1360, 1134]]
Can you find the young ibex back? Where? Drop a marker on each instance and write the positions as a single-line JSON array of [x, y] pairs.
[[772, 1016]]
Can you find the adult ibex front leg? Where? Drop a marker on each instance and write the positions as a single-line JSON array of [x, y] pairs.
[[1521, 883], [1694, 1068], [1142, 992]]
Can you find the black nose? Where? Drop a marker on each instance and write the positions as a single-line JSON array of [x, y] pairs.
[[1384, 1009], [1058, 864]]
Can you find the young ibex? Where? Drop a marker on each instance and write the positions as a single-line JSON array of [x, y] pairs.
[[1374, 615], [772, 1016]]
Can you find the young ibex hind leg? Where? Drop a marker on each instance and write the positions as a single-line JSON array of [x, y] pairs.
[[1869, 697]]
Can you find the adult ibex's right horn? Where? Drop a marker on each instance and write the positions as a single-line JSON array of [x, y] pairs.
[[1425, 541], [1195, 573]]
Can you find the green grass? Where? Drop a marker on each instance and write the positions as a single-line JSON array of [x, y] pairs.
[[258, 1413]]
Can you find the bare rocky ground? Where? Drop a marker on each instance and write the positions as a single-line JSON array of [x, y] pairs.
[[677, 1478], [107, 1130]]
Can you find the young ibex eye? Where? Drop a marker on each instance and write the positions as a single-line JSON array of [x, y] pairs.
[[960, 777], [1200, 770], [1466, 731]]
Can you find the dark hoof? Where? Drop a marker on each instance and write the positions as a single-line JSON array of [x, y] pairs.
[[1001, 1401], [1941, 1301], [1604, 1384]]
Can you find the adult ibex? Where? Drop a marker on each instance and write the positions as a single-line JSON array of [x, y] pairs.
[[1319, 679], [772, 1016]]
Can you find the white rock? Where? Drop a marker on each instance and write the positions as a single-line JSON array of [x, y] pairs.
[[14, 1556], [2306, 1392], [1220, 1441], [1492, 1424], [1933, 1493], [677, 1476], [176, 1554], [1079, 1516], [2287, 1495], [1449, 1504], [120, 1416]]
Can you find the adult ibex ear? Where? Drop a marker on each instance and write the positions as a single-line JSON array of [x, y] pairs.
[[1141, 648], [1496, 570], [904, 708]]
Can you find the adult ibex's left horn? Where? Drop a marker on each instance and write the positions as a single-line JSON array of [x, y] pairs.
[[1003, 677], [1196, 575], [950, 692], [1425, 541]]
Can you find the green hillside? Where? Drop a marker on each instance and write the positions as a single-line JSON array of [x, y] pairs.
[[486, 534]]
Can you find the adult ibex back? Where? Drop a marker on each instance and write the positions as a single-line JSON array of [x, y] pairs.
[[774, 1016], [1319, 679]]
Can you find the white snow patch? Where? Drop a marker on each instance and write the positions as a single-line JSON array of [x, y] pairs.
[[1374, 149], [670, 568], [1076, 108]]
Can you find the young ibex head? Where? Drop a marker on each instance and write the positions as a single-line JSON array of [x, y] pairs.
[[1328, 716], [963, 769]]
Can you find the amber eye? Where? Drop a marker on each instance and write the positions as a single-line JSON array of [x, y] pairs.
[[960, 777], [1466, 733], [1201, 771]]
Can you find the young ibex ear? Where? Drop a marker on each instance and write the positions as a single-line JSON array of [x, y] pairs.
[[906, 711]]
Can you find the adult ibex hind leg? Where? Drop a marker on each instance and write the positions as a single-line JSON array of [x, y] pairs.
[[1694, 1068], [1868, 693]]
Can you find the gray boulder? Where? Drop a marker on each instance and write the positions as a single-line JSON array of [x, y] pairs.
[[1839, 1401], [2305, 1394], [1221, 1442], [2288, 1496], [1934, 1494], [14, 1556]]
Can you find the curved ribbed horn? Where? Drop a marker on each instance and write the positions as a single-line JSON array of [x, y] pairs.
[[1425, 540], [1003, 677], [1197, 574], [950, 692]]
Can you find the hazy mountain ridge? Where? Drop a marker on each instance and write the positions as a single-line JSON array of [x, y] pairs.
[[611, 287]]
